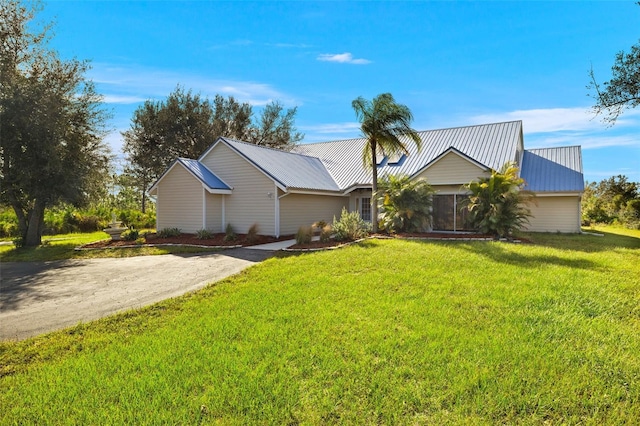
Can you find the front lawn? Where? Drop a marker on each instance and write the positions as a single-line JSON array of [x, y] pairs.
[[381, 332]]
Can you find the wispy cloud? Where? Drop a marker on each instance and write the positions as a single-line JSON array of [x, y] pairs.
[[332, 131], [131, 84], [344, 58]]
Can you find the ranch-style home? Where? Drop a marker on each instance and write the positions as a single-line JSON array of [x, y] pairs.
[[243, 184]]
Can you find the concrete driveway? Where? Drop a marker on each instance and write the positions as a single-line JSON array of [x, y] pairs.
[[38, 297]]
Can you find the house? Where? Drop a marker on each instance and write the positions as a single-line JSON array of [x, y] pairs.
[[243, 184]]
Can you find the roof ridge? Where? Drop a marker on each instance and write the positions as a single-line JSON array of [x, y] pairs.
[[555, 147], [422, 131], [269, 148]]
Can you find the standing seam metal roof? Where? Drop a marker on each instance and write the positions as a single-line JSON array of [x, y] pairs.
[[490, 144], [553, 169], [205, 175], [291, 170]]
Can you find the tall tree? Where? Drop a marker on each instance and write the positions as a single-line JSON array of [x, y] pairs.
[[623, 90], [386, 125], [186, 124], [51, 122]]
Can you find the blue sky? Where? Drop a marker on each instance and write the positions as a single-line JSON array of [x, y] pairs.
[[452, 63]]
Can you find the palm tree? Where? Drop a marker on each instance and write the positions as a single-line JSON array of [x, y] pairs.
[[383, 123]]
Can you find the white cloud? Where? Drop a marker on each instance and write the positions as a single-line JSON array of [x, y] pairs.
[[130, 84], [344, 58], [555, 119]]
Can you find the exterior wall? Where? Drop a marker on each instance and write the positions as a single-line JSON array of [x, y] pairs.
[[555, 214], [354, 199], [298, 210], [452, 169], [254, 194], [214, 212], [179, 201]]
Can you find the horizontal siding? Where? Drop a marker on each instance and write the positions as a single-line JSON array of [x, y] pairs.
[[449, 189], [298, 210], [249, 203], [555, 214], [452, 169], [179, 201], [214, 212]]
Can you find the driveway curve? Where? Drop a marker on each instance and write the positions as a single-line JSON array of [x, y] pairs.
[[38, 297]]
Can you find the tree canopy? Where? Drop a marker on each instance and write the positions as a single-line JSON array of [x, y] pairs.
[[51, 122], [615, 199], [622, 92], [186, 124], [386, 125]]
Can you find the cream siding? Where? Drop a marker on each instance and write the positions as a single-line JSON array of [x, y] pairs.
[[555, 214], [180, 201], [452, 169], [449, 189], [214, 212], [298, 210], [253, 195]]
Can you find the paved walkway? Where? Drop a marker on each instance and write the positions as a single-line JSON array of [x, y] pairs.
[[38, 297]]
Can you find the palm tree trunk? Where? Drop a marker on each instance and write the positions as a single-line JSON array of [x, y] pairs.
[[374, 188]]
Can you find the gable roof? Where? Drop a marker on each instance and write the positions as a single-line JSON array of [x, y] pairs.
[[553, 169], [290, 170], [209, 180], [490, 145]]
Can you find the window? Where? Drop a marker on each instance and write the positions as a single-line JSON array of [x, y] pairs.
[[365, 208]]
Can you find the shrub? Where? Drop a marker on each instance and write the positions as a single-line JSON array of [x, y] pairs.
[[130, 235], [169, 232], [497, 204], [252, 234], [304, 235], [350, 226], [325, 233], [90, 223], [405, 204], [229, 233], [140, 241], [320, 224], [204, 234]]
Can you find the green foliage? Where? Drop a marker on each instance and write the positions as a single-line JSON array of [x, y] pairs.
[[137, 219], [52, 124], [350, 226], [386, 125], [230, 233], [203, 234], [304, 235], [169, 232], [252, 234], [320, 224], [498, 204], [8, 223], [622, 91], [130, 235], [405, 203], [612, 200]]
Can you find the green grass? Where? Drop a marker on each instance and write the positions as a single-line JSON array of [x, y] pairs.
[[59, 247], [383, 332]]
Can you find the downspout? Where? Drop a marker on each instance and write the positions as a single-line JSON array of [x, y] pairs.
[[204, 208], [224, 225]]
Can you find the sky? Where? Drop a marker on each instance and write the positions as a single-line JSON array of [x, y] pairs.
[[452, 63]]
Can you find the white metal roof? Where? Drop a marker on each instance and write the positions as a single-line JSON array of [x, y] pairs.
[[489, 144], [291, 170], [553, 169]]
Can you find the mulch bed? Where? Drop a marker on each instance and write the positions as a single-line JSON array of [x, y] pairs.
[[217, 240]]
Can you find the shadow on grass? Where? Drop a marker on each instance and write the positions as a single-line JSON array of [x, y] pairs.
[[499, 253], [586, 242]]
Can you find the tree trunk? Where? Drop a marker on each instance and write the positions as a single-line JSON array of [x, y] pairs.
[[374, 188], [33, 236]]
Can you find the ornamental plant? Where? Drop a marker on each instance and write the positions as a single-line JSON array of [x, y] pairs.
[[498, 204], [405, 204]]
